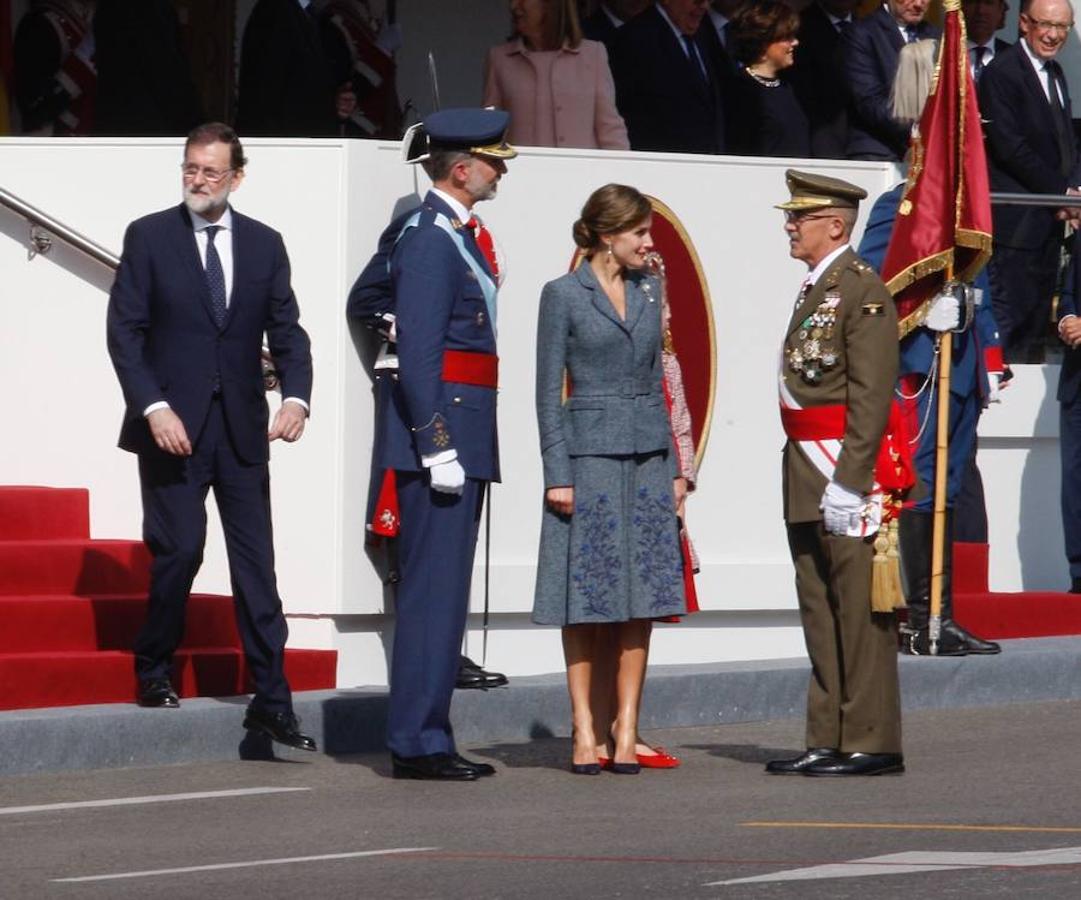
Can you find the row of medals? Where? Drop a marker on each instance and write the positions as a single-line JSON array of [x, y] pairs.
[[815, 354]]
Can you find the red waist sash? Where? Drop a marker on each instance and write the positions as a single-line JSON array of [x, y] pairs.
[[464, 367], [894, 469]]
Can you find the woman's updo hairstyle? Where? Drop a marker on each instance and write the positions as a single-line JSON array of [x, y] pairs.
[[609, 210]]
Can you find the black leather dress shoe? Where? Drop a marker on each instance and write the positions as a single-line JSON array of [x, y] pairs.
[[433, 767], [953, 641], [470, 675], [281, 727], [1075, 586], [797, 764], [157, 693], [482, 769], [858, 764]]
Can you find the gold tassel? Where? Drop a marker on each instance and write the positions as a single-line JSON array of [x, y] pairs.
[[886, 594]]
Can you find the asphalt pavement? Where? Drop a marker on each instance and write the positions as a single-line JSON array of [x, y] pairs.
[[988, 808]]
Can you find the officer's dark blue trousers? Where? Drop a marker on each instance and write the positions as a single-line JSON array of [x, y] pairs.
[[436, 545], [964, 417], [1070, 450], [174, 493]]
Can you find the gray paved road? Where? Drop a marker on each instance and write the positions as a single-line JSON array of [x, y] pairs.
[[988, 808]]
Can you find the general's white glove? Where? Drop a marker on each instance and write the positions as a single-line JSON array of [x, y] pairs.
[[944, 314], [448, 477], [994, 391], [841, 508]]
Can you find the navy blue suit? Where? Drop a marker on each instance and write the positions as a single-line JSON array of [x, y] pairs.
[[166, 345], [1024, 156], [870, 49], [666, 103], [440, 305], [968, 375], [1069, 398]]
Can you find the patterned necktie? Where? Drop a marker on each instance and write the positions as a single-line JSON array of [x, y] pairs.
[[912, 34], [695, 59], [484, 240], [215, 276], [804, 290], [978, 54]]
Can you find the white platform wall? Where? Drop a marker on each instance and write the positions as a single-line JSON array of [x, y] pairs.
[[331, 200]]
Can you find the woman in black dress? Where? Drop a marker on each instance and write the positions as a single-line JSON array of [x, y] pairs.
[[764, 116]]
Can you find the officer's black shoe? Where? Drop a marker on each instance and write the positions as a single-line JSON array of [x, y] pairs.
[[281, 727], [1075, 585], [859, 764], [433, 767], [796, 765], [482, 769], [470, 675], [953, 641], [157, 693]]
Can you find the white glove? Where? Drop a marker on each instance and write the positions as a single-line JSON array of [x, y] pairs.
[[944, 314], [448, 477], [994, 392], [841, 508]]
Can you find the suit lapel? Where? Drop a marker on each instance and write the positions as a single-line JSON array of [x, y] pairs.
[[189, 254], [636, 301], [238, 235], [588, 279], [1039, 98]]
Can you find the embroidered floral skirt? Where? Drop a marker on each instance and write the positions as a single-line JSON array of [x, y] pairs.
[[618, 557]]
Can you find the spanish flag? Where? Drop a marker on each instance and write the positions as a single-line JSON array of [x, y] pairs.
[[943, 224]]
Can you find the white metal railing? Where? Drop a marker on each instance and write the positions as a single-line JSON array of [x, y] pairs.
[[43, 228]]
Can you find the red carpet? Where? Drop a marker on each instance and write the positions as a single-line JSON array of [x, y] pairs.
[[999, 616], [71, 607]]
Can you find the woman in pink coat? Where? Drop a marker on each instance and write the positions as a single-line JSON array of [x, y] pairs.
[[557, 87]]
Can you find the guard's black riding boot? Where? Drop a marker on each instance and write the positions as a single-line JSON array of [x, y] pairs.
[[916, 530]]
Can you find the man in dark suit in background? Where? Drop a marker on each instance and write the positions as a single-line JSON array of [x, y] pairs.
[[666, 90], [197, 288], [869, 50], [145, 86], [610, 16], [982, 19], [287, 87], [1031, 148], [818, 77]]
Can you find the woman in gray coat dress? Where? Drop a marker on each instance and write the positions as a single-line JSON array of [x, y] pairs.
[[609, 554]]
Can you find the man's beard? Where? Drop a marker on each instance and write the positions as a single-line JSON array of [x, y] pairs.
[[201, 204]]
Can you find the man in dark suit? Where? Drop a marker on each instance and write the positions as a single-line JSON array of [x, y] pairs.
[[818, 77], [869, 50], [1069, 398], [609, 17], [287, 87], [982, 19], [666, 90], [438, 434], [1031, 148], [197, 288], [144, 77]]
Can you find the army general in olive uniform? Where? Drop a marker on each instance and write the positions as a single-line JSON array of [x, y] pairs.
[[836, 381]]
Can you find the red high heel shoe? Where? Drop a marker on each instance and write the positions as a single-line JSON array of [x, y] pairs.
[[658, 759]]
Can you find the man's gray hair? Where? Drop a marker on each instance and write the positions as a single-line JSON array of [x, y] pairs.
[[440, 162], [912, 83]]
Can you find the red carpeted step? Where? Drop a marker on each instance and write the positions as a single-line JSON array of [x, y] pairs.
[[31, 680], [1022, 615], [969, 568], [29, 567], [41, 623], [43, 513]]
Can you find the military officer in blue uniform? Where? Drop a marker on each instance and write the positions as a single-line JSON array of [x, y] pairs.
[[976, 371], [439, 430]]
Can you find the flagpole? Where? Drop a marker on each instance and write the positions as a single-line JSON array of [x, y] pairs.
[[942, 439]]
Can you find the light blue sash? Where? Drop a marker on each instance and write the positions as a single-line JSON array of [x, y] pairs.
[[487, 286]]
